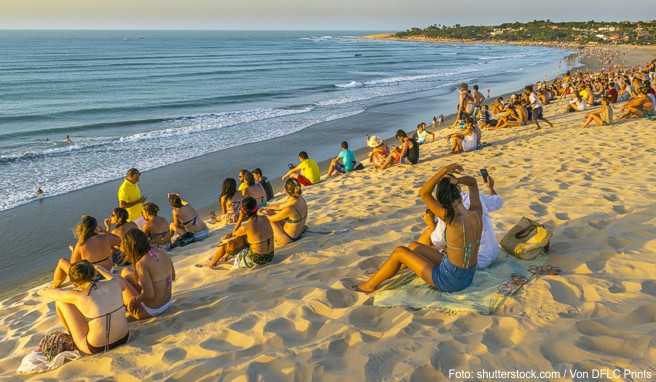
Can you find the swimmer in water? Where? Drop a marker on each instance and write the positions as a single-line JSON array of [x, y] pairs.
[[68, 140], [39, 192]]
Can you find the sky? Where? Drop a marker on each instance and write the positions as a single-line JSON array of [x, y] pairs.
[[383, 15]]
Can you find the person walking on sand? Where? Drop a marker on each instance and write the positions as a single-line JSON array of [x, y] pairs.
[[536, 107], [130, 198]]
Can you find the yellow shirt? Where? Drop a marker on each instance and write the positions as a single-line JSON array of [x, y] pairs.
[[310, 170], [242, 187], [130, 192]]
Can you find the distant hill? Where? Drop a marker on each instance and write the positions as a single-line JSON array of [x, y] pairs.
[[583, 32]]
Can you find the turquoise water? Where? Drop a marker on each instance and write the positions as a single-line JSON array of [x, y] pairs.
[[147, 99]]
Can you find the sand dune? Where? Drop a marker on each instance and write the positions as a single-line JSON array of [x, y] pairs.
[[295, 320]]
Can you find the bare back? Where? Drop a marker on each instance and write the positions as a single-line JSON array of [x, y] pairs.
[[98, 249], [156, 273], [259, 234]]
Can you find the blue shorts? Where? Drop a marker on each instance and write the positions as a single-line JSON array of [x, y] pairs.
[[450, 278], [537, 113]]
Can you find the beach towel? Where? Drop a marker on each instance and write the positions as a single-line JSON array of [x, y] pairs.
[[406, 289]]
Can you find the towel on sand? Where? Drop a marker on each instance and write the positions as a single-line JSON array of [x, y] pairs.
[[406, 289]]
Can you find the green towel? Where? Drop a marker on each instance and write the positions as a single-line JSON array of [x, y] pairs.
[[407, 289]]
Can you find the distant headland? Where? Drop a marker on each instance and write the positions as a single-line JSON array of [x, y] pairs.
[[538, 32]]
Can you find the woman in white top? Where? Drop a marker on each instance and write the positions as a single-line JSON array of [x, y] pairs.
[[434, 235]]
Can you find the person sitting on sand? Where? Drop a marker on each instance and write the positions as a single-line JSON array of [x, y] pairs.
[[264, 182], [433, 237], [379, 153], [150, 278], [230, 201], [118, 223], [185, 220], [409, 147], [253, 233], [92, 245], [485, 120], [577, 104], [463, 142], [453, 271], [637, 106], [344, 162], [306, 172], [93, 313], [288, 218], [602, 116], [156, 228], [421, 136], [498, 106], [249, 187]]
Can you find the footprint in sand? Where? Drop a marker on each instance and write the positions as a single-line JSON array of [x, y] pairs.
[[546, 199], [339, 298], [538, 208], [619, 209], [599, 223], [611, 197], [649, 287], [563, 186], [174, 355], [562, 216]]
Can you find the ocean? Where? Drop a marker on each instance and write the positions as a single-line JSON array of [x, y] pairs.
[[147, 99], [194, 107]]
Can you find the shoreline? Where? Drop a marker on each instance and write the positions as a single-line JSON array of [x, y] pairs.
[[296, 319], [196, 178]]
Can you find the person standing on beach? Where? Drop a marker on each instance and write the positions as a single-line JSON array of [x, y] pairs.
[[129, 195], [464, 99], [478, 97], [536, 106]]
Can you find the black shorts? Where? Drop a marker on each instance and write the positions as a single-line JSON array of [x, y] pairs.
[[537, 114]]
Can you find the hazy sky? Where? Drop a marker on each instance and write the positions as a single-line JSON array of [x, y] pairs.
[[305, 14]]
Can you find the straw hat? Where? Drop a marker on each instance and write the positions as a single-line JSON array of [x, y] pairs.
[[374, 141]]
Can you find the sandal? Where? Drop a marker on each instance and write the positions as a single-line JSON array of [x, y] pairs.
[[510, 287], [545, 270]]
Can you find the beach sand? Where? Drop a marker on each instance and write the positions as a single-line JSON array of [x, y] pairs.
[[295, 320]]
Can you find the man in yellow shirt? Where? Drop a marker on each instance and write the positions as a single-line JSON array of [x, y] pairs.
[[306, 172], [129, 195]]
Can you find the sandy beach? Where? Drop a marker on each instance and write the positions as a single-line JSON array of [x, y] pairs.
[[295, 320]]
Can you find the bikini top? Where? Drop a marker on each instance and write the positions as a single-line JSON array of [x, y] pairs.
[[299, 220], [468, 249], [191, 221], [107, 316]]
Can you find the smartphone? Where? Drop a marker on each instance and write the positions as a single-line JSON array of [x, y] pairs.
[[484, 174]]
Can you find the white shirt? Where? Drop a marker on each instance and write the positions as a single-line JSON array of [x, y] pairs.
[[535, 101], [489, 248]]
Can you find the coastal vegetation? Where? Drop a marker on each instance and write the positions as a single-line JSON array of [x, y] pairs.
[[583, 32]]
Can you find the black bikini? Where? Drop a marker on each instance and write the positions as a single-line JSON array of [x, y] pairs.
[[108, 324]]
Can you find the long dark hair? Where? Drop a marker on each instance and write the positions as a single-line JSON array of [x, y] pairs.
[[86, 228], [135, 245], [121, 216], [446, 194], [249, 206], [175, 201], [229, 188]]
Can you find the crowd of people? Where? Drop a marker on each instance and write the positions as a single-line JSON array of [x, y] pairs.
[[121, 269]]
